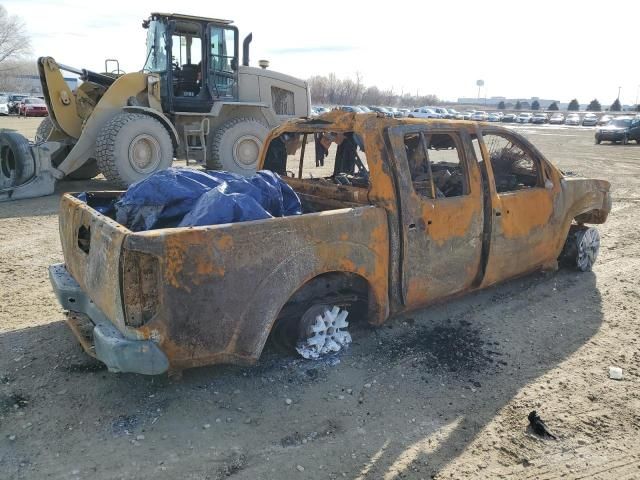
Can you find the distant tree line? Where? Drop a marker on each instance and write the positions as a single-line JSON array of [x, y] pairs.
[[331, 90], [595, 106]]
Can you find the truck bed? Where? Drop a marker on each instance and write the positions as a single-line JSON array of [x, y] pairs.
[[211, 294]]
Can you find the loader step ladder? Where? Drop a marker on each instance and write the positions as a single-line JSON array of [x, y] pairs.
[[199, 133]]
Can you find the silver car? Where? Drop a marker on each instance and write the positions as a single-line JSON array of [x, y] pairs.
[[424, 112], [572, 119], [524, 117]]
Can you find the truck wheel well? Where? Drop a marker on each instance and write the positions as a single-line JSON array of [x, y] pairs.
[[345, 289], [596, 216]]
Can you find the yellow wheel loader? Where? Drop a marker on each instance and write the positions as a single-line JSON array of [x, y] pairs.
[[129, 125]]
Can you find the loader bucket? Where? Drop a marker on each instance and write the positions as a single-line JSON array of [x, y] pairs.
[[25, 169]]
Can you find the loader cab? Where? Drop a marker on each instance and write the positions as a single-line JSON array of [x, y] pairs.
[[196, 59]]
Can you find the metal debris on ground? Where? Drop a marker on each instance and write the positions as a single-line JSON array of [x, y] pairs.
[[539, 427]]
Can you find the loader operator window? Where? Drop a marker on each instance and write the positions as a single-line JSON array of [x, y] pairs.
[[223, 64], [156, 51], [436, 165], [186, 59], [326, 157]]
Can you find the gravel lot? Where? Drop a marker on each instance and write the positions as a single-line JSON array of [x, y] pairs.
[[442, 393]]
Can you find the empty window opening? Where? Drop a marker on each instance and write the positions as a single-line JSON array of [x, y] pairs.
[[329, 157], [436, 164], [514, 167], [282, 101]]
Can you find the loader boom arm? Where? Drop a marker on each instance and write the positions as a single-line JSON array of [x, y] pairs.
[[61, 101]]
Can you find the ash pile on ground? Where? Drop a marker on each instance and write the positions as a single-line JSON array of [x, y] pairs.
[[452, 347]]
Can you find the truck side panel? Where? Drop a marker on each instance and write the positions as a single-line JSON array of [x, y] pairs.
[[221, 288]]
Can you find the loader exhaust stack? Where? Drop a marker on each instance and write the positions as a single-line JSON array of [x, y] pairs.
[[245, 49]]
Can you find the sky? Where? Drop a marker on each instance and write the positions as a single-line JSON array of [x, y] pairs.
[[552, 49]]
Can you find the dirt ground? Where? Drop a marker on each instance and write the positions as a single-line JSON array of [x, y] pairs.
[[441, 393]]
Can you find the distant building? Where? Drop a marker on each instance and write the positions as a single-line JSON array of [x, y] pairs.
[[525, 103], [31, 83]]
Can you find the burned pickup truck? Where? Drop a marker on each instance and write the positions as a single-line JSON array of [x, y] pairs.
[[396, 214]]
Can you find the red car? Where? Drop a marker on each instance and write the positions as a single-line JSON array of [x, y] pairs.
[[33, 107]]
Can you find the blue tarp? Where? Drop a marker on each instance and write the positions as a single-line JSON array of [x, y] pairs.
[[184, 197]]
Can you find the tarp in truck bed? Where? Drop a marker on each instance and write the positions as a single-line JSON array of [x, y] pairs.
[[183, 197]]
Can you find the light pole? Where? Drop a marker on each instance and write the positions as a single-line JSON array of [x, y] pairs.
[[637, 91]]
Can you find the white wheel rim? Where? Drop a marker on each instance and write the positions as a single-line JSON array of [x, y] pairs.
[[588, 248], [245, 150], [325, 331], [144, 153]]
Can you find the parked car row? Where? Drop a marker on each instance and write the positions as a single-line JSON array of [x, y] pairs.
[[386, 111], [557, 118], [18, 104]]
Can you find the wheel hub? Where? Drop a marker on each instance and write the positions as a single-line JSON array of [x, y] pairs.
[[245, 150], [588, 248], [144, 153], [322, 331]]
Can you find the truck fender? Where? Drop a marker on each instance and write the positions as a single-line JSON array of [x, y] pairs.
[[582, 205], [292, 274], [158, 116]]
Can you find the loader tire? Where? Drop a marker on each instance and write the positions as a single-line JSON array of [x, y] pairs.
[[17, 165], [44, 130], [236, 144], [132, 146], [85, 172]]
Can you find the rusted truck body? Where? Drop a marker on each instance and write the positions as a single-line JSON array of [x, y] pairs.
[[411, 212]]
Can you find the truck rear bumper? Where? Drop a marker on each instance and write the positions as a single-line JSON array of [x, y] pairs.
[[98, 336]]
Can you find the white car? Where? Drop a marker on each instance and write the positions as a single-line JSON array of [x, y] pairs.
[[556, 119], [424, 112], [480, 116], [4, 108], [442, 111], [572, 119], [524, 117]]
